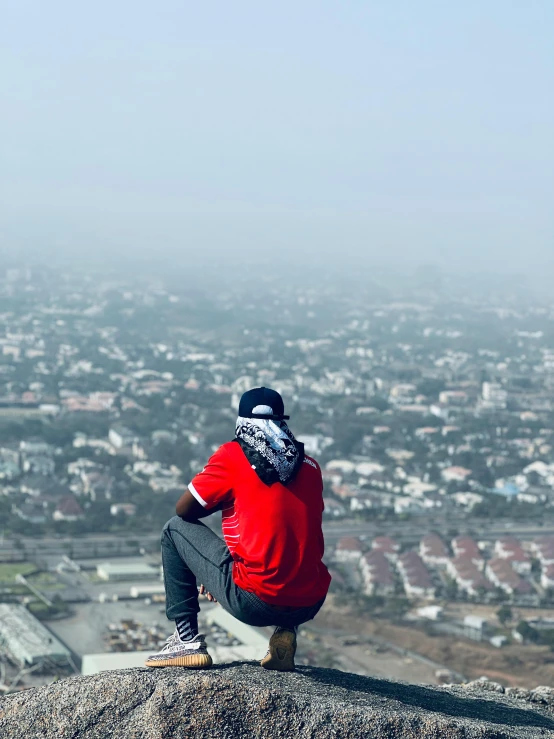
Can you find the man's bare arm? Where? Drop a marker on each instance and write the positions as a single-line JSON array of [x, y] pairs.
[[189, 509]]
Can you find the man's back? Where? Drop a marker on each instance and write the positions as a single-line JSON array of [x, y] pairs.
[[269, 570], [273, 531]]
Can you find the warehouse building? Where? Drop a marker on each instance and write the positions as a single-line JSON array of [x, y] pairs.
[[27, 642], [126, 571]]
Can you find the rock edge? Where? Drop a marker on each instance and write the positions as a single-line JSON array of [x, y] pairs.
[[241, 700]]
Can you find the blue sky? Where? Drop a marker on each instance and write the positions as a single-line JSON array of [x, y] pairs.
[[413, 130]]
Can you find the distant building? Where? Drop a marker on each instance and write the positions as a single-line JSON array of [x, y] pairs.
[[36, 448], [385, 544], [544, 549], [341, 466], [68, 510], [415, 576], [494, 396], [125, 571], [466, 547], [433, 551], [38, 465], [502, 575], [455, 474], [402, 393], [121, 437], [453, 397], [129, 509], [31, 511], [440, 410], [166, 484], [8, 470], [377, 574], [475, 627], [311, 443], [467, 577], [510, 549], [27, 641], [333, 509], [349, 549], [547, 576]]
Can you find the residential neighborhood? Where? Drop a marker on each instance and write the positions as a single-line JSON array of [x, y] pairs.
[[428, 410]]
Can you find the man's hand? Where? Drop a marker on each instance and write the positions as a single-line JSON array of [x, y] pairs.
[[202, 590]]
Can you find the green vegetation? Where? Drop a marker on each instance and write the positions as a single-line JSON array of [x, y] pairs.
[[536, 636], [528, 632], [42, 611], [45, 581], [9, 570], [497, 506], [504, 614]]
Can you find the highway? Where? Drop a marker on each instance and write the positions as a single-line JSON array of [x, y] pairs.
[[50, 549], [410, 532]]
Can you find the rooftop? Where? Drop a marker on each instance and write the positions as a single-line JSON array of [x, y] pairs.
[[23, 636]]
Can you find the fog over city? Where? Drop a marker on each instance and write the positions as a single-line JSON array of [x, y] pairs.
[[347, 203], [343, 134]]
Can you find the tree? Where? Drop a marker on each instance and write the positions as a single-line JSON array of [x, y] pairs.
[[504, 614], [430, 387], [450, 589], [547, 637], [528, 632]]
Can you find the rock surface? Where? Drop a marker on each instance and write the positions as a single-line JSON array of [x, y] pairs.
[[243, 701]]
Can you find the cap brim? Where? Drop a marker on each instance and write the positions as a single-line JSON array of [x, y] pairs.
[[269, 417]]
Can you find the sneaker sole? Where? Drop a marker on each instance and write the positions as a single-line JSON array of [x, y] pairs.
[[282, 648], [196, 661]]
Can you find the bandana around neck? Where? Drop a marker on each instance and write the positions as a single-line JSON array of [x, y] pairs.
[[270, 448]]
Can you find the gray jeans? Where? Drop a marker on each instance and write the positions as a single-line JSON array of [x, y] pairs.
[[191, 553]]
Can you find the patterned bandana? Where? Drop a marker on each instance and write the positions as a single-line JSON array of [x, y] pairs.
[[270, 448]]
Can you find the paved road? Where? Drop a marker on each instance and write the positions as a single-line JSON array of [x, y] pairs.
[[51, 549], [82, 547], [412, 531]]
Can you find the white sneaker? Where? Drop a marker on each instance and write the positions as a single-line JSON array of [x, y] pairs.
[[178, 653]]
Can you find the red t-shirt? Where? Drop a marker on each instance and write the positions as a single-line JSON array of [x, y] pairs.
[[273, 531]]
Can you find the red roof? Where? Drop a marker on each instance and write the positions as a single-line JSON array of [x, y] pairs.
[[381, 570], [350, 544], [507, 576], [69, 507], [434, 546], [414, 570], [466, 547], [385, 544]]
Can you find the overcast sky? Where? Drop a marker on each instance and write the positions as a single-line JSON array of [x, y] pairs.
[[416, 129]]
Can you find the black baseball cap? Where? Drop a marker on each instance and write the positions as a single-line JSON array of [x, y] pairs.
[[262, 396]]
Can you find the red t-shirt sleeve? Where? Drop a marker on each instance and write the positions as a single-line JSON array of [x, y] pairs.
[[212, 486]]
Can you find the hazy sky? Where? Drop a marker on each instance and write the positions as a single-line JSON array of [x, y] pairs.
[[410, 129]]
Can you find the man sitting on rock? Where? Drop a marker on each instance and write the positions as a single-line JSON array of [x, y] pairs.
[[269, 569]]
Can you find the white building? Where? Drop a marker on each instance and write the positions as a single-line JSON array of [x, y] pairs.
[[121, 437], [26, 640], [433, 551], [455, 474], [349, 549], [547, 576], [377, 574], [494, 396], [415, 576], [125, 571]]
